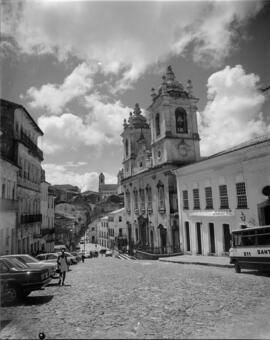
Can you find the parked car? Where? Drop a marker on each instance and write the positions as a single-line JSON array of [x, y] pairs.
[[76, 255], [108, 253], [35, 263], [18, 279], [49, 258], [102, 251], [72, 259]]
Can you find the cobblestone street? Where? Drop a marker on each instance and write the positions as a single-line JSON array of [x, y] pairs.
[[111, 298]]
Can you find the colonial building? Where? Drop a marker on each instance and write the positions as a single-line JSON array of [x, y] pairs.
[[106, 190], [47, 212], [23, 132], [117, 229], [224, 192], [102, 231], [153, 148]]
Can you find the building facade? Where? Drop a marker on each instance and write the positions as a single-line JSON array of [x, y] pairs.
[[8, 206], [102, 231], [224, 192], [23, 133], [117, 230], [47, 211], [153, 148], [106, 190]]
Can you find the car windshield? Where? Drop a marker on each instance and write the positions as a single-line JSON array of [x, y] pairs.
[[16, 264], [27, 259]]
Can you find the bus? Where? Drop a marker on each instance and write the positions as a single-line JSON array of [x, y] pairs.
[[251, 248]]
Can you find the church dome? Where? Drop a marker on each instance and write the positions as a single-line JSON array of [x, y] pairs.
[[137, 120], [174, 87]]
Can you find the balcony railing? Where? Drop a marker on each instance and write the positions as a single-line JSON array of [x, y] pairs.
[[28, 184], [31, 145], [31, 218], [47, 231]]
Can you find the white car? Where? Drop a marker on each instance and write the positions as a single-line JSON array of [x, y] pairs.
[[35, 263], [108, 253]]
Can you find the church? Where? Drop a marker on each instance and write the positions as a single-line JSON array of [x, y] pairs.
[[153, 148], [106, 190]]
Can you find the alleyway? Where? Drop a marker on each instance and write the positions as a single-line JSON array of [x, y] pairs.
[[111, 298]]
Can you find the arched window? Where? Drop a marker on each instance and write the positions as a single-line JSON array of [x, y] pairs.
[[161, 196], [126, 147], [128, 200], [135, 192], [149, 197], [181, 120], [157, 124], [3, 190]]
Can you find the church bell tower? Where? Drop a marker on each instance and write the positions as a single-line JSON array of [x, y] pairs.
[[173, 121]]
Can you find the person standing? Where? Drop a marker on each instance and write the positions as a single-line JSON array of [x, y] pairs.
[[63, 267]]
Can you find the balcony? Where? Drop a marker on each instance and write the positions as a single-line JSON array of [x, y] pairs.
[[47, 231], [162, 210], [31, 218], [37, 235], [23, 182], [32, 146], [136, 211]]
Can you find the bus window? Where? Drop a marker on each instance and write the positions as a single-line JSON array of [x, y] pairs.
[[245, 238], [264, 237]]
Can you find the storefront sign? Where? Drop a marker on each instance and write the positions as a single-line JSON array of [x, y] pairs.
[[212, 213]]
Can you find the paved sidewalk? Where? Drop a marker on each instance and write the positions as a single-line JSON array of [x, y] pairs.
[[216, 261]]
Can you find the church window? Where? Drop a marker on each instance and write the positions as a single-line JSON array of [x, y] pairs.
[[142, 198], [157, 124], [149, 197], [128, 200], [161, 196], [181, 120], [135, 199], [126, 147]]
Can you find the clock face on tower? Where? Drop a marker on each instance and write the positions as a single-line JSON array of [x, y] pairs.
[[183, 150]]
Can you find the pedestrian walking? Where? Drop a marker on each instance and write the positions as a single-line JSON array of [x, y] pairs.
[[63, 267], [83, 257]]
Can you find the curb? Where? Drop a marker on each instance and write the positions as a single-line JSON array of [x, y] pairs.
[[200, 263]]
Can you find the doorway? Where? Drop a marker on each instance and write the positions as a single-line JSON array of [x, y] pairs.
[[151, 239], [226, 237], [199, 238], [187, 236], [212, 238]]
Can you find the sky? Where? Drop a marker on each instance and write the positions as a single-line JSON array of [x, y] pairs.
[[79, 67]]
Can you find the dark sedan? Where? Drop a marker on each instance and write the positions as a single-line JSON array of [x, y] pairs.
[[18, 280]]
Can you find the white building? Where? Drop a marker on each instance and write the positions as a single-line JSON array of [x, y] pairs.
[[8, 206], [102, 231], [117, 229], [222, 193]]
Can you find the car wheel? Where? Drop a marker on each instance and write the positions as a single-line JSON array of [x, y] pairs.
[[11, 294], [237, 267]]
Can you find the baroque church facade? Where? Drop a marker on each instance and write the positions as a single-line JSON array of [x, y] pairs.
[[153, 148]]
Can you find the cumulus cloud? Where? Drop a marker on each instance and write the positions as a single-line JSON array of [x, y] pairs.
[[101, 126], [60, 174], [127, 37], [54, 97], [233, 111]]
